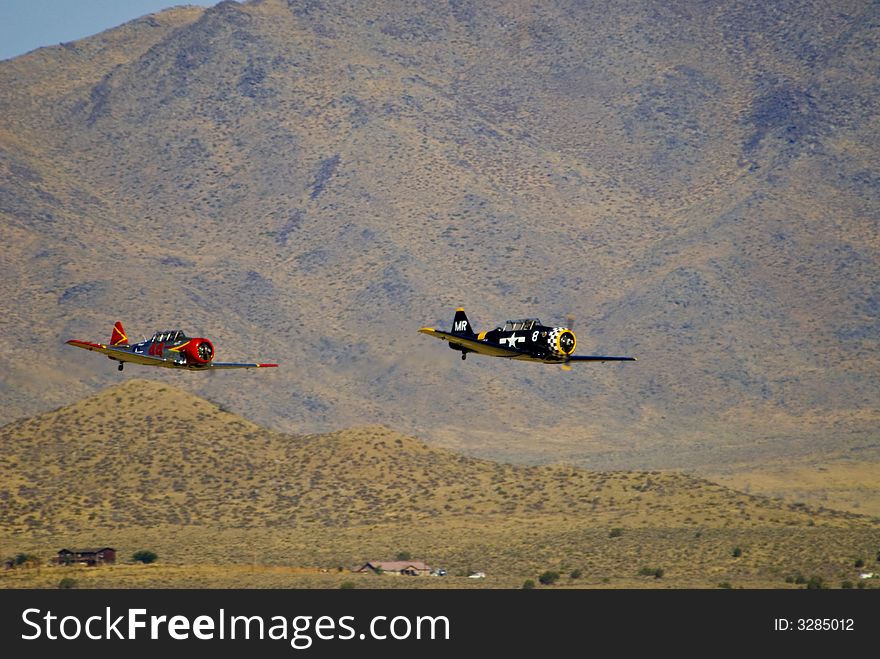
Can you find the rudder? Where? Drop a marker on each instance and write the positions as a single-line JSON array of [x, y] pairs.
[[118, 338], [461, 324]]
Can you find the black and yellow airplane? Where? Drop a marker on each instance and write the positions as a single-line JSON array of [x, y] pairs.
[[526, 340]]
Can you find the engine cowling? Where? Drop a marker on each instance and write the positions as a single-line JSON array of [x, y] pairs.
[[199, 351], [561, 341]]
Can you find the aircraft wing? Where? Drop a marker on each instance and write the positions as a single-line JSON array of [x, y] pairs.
[[480, 347], [124, 355], [150, 360], [599, 358]]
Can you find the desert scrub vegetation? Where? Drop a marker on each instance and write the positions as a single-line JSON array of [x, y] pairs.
[[548, 578], [144, 556], [22, 559], [656, 572]]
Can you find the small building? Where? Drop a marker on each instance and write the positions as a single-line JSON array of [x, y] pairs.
[[89, 557], [409, 568]]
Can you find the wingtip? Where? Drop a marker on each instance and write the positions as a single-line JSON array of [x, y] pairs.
[[427, 330]]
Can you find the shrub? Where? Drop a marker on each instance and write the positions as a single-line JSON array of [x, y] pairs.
[[27, 560], [658, 573], [528, 584], [67, 583], [346, 585], [144, 556], [737, 552], [816, 583], [404, 556], [615, 533], [655, 572], [575, 574], [548, 578], [725, 584], [846, 585], [859, 563]]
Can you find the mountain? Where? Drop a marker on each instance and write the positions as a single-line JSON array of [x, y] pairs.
[[311, 182], [146, 465]]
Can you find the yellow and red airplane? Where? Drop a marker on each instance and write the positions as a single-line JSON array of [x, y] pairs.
[[169, 349]]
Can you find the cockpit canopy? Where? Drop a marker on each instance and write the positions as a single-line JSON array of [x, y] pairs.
[[169, 336], [524, 324]]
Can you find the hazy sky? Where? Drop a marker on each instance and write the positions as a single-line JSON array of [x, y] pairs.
[[29, 24]]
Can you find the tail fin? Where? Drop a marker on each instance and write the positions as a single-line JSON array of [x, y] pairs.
[[118, 338], [461, 324]]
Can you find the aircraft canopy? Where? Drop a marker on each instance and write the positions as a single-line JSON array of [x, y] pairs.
[[523, 324], [168, 336]]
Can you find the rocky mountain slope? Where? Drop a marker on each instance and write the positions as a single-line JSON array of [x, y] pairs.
[[311, 182]]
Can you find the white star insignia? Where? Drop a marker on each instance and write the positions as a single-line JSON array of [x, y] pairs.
[[512, 340]]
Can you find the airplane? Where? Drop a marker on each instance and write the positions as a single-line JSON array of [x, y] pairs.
[[170, 349], [526, 340]]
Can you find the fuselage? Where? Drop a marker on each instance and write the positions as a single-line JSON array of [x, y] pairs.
[[537, 342], [173, 345]]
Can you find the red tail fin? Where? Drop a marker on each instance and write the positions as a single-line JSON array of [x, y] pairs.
[[118, 337]]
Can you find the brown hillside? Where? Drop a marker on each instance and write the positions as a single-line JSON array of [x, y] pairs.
[[310, 183], [144, 464], [144, 453]]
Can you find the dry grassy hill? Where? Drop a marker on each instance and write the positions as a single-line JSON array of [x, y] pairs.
[[309, 183], [146, 465], [846, 484]]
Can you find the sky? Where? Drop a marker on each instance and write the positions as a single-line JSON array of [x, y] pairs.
[[29, 24]]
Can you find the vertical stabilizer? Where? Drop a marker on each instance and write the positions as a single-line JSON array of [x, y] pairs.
[[118, 338], [461, 325]]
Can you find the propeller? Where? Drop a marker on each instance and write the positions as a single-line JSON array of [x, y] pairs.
[[205, 351], [569, 323]]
